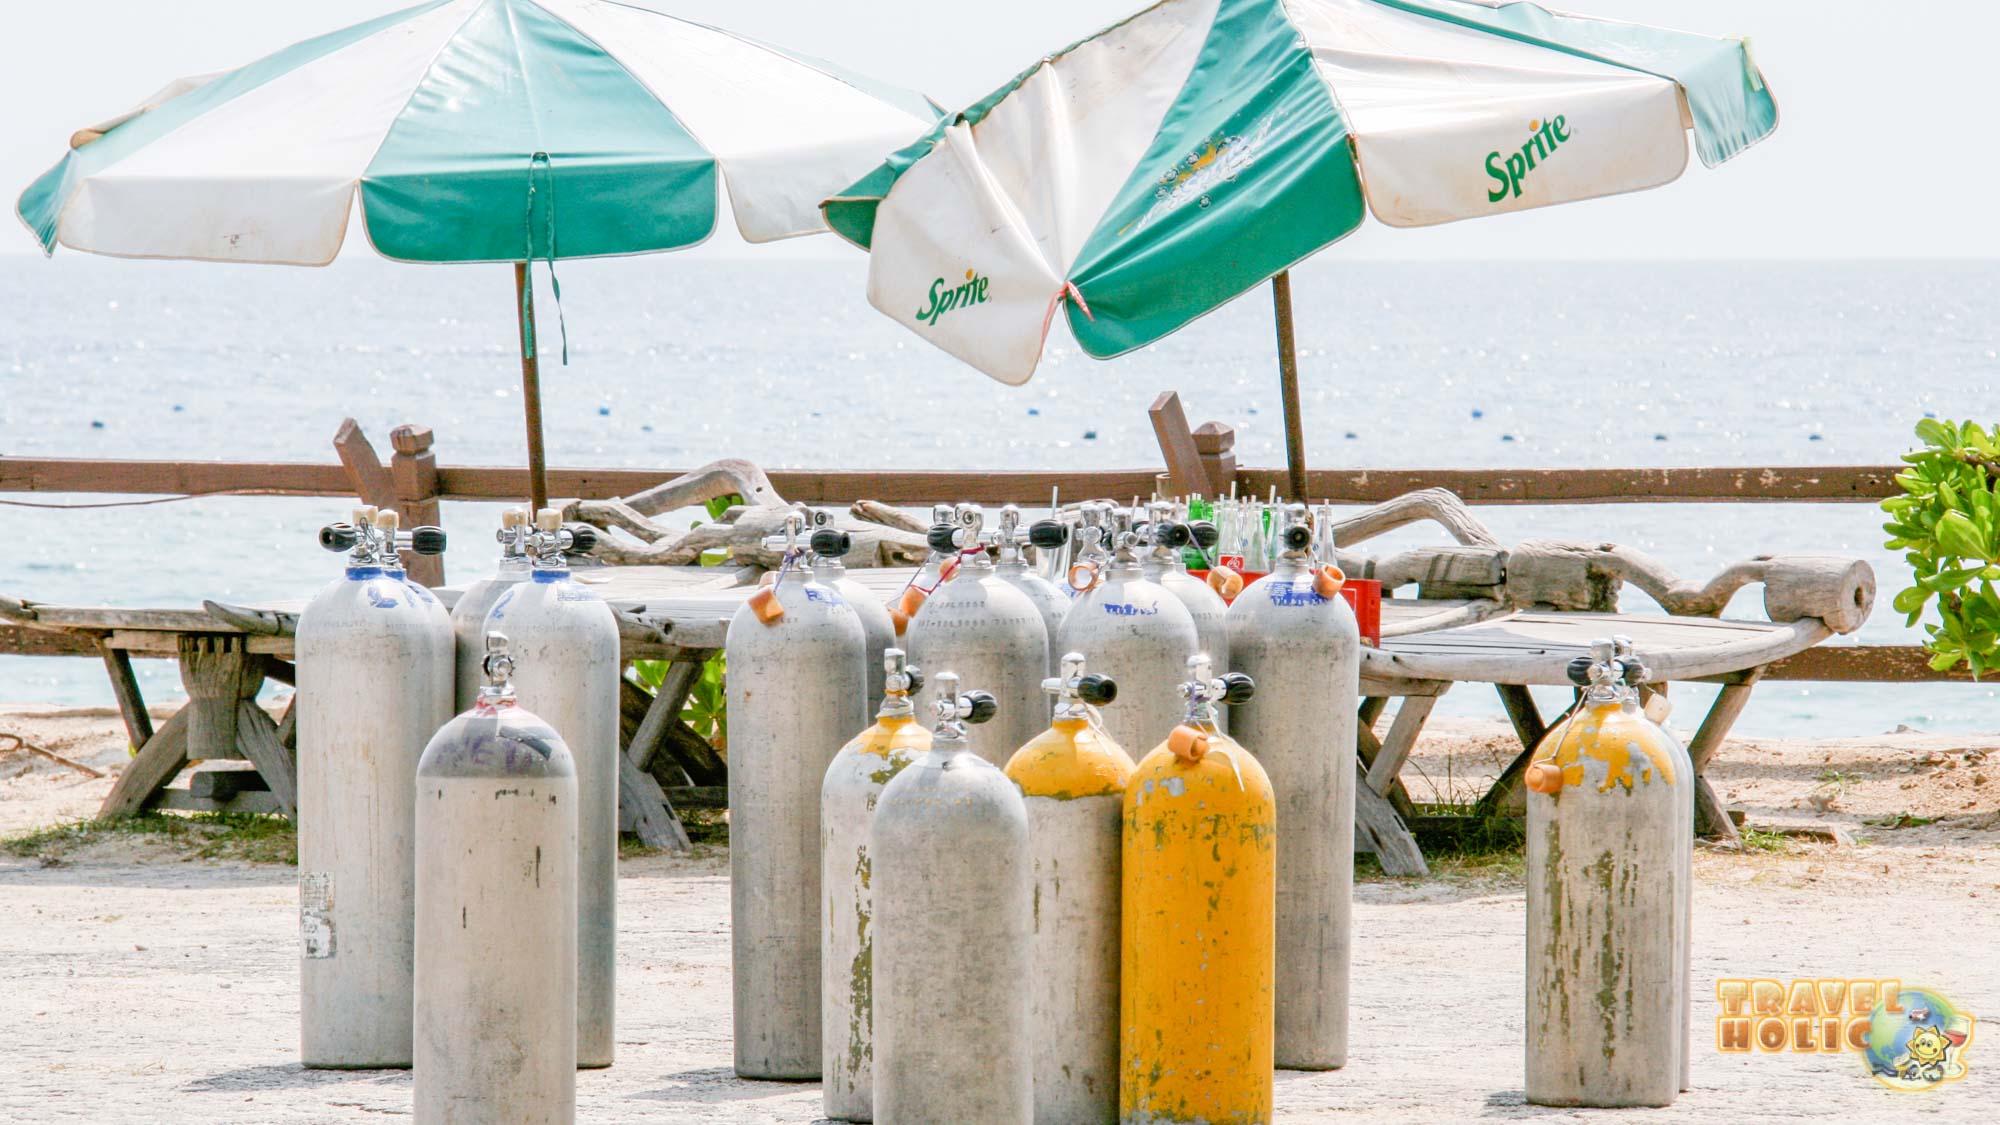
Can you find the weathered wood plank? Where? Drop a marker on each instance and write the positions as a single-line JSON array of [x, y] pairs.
[[1170, 428], [1754, 483], [1399, 742], [156, 763], [366, 478], [221, 785], [184, 801], [1381, 830], [1848, 484], [16, 640], [1864, 664], [699, 796], [644, 808], [125, 686], [259, 740]]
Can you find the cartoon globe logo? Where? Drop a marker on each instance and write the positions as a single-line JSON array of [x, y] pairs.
[[1920, 1044]]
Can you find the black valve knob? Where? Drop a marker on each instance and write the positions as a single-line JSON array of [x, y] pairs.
[[1298, 537], [984, 706], [1097, 690], [582, 538], [831, 543], [1205, 535], [427, 540], [1237, 688], [1048, 533], [916, 677], [1635, 672], [1174, 535], [339, 537], [940, 539], [1579, 671]]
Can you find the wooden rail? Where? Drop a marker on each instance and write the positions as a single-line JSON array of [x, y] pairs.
[[1847, 484]]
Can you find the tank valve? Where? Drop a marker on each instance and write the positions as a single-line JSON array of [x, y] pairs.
[[903, 678], [1190, 740], [764, 603], [498, 665], [1078, 693], [339, 536], [954, 709]]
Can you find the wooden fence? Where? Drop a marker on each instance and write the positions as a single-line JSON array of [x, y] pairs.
[[415, 482]]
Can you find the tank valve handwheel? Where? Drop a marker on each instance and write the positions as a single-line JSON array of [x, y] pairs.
[[427, 540], [339, 537], [1048, 534], [1097, 690]]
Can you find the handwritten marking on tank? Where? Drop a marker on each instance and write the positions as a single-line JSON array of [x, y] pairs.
[[1123, 609]]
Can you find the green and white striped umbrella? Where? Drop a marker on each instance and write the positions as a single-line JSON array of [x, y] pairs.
[[477, 131], [1144, 176]]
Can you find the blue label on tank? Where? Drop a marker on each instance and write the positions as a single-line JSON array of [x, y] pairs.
[[571, 592], [499, 609], [823, 594], [1296, 595], [546, 576], [379, 598], [1125, 609], [364, 573], [422, 592]]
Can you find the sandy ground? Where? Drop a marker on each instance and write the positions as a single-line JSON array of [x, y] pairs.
[[141, 986]]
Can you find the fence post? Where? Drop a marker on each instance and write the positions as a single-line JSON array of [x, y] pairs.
[[414, 468]]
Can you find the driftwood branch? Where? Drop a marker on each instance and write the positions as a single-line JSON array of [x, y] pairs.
[[1434, 504], [882, 536]]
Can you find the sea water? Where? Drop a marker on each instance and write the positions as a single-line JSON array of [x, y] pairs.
[[675, 361]]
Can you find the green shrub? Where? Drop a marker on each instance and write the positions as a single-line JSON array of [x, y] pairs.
[[1948, 524]]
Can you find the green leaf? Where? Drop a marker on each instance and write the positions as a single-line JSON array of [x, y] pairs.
[[1958, 536], [1934, 432]]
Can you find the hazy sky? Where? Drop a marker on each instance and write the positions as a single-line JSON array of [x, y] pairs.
[[1886, 148]]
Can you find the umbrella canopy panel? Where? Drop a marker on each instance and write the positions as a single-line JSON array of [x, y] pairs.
[[476, 130], [1150, 173]]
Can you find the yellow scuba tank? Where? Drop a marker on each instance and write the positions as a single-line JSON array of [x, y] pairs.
[[1073, 777], [1610, 841], [1199, 915]]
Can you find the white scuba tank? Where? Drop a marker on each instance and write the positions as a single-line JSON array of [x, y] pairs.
[[796, 690], [565, 639], [953, 924], [1137, 633], [855, 780], [1609, 853], [987, 631], [1293, 634], [495, 1025], [1163, 564], [468, 615], [830, 546], [1049, 600], [1072, 779], [374, 683]]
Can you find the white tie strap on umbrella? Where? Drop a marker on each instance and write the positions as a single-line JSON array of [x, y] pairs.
[[477, 131], [1157, 170]]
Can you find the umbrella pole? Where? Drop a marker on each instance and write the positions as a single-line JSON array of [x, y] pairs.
[[531, 389], [1288, 382]]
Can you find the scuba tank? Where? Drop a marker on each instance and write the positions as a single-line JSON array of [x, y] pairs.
[[796, 689], [495, 1021], [846, 805], [1293, 633], [1050, 601], [1199, 904], [988, 631], [566, 641], [953, 899], [374, 683], [1073, 779], [829, 545], [938, 567], [1610, 843], [1163, 564], [1133, 631], [468, 617]]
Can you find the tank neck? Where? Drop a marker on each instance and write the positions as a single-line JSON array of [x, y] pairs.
[[896, 708], [361, 572], [975, 563], [1291, 565], [829, 565]]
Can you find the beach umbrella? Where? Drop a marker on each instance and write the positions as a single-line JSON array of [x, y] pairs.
[[1164, 166], [478, 131]]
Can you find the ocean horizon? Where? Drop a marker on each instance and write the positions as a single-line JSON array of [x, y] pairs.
[[675, 361]]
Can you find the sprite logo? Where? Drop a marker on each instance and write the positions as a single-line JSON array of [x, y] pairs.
[[943, 300], [1543, 137]]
